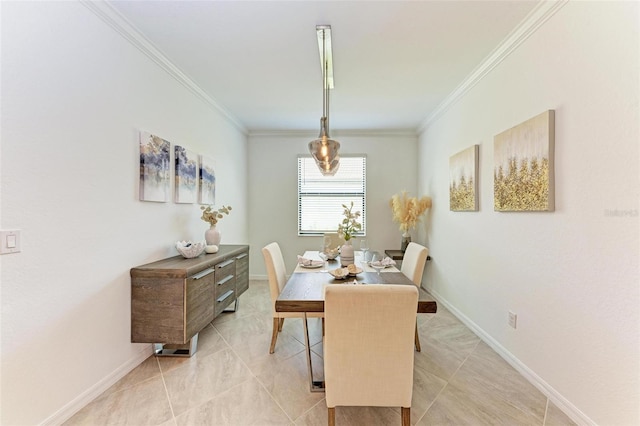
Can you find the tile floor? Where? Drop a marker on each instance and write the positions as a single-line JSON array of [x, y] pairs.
[[233, 380]]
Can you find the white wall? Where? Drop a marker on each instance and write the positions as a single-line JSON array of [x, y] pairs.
[[571, 275], [273, 189], [73, 94]]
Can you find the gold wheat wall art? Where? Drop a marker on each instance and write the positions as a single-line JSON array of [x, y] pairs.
[[463, 180], [523, 166]]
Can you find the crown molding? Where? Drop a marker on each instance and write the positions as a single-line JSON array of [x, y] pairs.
[[337, 133], [122, 26], [529, 25]]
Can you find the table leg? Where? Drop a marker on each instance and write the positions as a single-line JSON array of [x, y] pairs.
[[314, 385]]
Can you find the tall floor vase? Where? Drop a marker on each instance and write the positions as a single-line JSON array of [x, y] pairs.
[[212, 236]]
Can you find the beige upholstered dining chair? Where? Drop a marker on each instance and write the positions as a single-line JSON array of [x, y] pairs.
[[413, 266], [368, 346], [277, 273]]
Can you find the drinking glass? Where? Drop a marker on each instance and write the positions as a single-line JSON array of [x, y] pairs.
[[376, 262], [324, 258], [364, 247]]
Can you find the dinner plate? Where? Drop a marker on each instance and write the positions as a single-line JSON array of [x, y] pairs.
[[313, 265]]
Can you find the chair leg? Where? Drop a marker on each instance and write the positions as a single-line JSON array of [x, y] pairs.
[[406, 416], [281, 324], [322, 326], [417, 339], [274, 336], [332, 415]]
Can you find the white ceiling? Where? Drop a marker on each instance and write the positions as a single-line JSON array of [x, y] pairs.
[[394, 61]]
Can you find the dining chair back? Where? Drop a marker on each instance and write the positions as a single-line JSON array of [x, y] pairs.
[[276, 271], [277, 275], [368, 346], [332, 240], [412, 267], [413, 262]]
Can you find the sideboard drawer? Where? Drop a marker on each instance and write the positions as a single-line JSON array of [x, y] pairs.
[[225, 269], [200, 293], [224, 297], [242, 273]]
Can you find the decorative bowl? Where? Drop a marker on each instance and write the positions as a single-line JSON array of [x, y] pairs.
[[332, 253], [339, 273], [353, 270], [189, 249]]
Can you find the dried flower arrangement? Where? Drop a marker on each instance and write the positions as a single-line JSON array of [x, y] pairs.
[[212, 216], [350, 224], [407, 210]]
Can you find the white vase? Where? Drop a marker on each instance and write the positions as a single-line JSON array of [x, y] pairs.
[[212, 236], [346, 253]]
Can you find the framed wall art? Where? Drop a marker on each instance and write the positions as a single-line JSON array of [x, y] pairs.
[[207, 181], [154, 168], [523, 178], [463, 180], [186, 185]]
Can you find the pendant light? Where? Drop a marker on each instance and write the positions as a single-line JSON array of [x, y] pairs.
[[324, 149]]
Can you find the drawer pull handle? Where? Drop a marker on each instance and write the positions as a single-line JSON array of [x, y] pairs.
[[243, 255], [223, 264], [224, 296], [203, 273], [225, 279]]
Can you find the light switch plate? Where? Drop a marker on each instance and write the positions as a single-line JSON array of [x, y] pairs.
[[9, 241]]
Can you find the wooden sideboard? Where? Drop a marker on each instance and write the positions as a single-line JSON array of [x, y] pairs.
[[174, 298]]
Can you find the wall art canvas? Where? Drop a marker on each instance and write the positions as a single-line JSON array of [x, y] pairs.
[[207, 181], [186, 175], [463, 180], [154, 168], [523, 177]]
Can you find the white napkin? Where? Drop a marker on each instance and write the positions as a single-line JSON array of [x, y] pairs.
[[386, 262], [308, 262]]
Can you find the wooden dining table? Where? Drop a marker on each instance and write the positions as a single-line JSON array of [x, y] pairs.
[[304, 292]]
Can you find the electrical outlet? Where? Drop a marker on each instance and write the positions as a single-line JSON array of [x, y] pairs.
[[513, 318]]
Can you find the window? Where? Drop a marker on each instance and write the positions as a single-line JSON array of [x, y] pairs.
[[320, 198]]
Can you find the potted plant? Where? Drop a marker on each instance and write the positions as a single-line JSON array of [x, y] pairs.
[[407, 211], [347, 229], [211, 216]]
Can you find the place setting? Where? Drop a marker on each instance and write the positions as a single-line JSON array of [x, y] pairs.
[[307, 263]]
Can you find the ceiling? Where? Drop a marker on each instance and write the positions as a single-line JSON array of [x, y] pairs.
[[394, 61]]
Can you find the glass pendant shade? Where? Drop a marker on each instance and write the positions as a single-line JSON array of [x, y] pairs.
[[324, 149], [329, 168]]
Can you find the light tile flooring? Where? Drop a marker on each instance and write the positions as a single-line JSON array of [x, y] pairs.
[[233, 380]]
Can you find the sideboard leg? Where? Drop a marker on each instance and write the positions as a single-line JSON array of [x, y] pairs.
[[186, 350]]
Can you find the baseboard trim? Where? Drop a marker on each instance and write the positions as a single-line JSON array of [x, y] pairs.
[[258, 277], [560, 401], [66, 412]]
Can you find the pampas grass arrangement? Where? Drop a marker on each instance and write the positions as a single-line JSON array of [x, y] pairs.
[[407, 210]]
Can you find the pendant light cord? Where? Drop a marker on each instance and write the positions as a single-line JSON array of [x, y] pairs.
[[325, 83]]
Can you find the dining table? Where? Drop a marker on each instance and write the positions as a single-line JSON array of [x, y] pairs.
[[304, 292]]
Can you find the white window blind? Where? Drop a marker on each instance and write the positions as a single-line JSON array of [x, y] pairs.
[[320, 198]]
